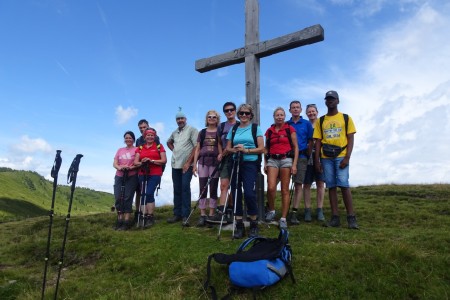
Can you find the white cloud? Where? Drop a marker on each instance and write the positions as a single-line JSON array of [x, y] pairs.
[[125, 114], [28, 145]]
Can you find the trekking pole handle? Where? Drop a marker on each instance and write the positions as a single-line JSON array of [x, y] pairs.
[[73, 170], [56, 164]]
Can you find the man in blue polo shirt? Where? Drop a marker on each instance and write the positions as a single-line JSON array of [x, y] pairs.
[[304, 131]]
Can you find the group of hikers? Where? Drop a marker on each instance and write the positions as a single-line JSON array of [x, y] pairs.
[[304, 151]]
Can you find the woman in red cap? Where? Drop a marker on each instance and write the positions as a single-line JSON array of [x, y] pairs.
[[150, 158]]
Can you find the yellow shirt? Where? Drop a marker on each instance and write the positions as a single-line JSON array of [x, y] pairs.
[[333, 131]]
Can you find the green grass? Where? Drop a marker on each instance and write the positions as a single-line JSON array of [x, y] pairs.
[[25, 194], [402, 251]]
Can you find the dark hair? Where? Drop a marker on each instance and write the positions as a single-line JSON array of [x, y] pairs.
[[142, 121], [294, 101], [228, 104], [130, 133]]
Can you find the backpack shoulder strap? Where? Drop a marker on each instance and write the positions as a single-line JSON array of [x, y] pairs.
[[233, 133], [346, 123], [202, 136], [322, 118], [288, 133], [269, 136]]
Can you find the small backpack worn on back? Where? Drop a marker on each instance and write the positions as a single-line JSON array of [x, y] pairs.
[[259, 262]]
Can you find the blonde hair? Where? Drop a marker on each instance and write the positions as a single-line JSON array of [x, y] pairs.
[[277, 109], [245, 106], [210, 112]]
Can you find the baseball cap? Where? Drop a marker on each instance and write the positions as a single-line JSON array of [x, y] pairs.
[[331, 94]]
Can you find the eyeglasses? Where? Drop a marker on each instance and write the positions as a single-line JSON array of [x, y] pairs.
[[212, 117], [247, 113], [144, 127], [228, 110], [180, 119]]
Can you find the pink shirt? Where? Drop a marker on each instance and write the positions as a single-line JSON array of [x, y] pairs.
[[125, 157]]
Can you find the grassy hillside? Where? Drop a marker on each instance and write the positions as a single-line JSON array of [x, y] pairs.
[[402, 251], [26, 194]]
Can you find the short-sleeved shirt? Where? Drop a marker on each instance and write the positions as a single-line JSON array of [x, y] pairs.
[[223, 135], [153, 153], [333, 131], [210, 148], [125, 157], [244, 136], [304, 131], [279, 140], [184, 140]]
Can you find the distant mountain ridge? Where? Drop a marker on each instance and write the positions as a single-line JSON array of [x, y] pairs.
[[25, 194]]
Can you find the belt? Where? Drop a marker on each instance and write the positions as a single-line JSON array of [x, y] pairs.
[[278, 156]]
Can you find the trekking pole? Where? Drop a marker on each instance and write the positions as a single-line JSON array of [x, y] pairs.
[[71, 178], [219, 167], [235, 192], [226, 202], [121, 197], [145, 166], [54, 174]]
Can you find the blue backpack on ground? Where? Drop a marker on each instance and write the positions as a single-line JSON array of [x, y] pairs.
[[259, 262]]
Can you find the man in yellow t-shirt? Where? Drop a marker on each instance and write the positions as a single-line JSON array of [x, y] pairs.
[[334, 136]]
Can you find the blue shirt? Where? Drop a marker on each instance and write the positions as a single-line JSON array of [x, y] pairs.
[[244, 136], [304, 131]]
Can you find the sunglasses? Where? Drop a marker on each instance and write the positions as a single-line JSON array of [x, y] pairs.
[[247, 113], [311, 105], [212, 117], [228, 110]]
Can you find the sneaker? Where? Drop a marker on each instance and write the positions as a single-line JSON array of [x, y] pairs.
[[293, 218], [270, 215], [174, 219], [185, 222], [334, 222], [320, 216], [229, 215], [282, 224], [351, 220], [239, 232], [201, 221], [308, 215]]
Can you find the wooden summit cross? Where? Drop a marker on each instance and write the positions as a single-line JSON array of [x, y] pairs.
[[254, 50]]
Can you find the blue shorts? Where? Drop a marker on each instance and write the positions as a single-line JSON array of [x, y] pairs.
[[311, 175], [333, 175]]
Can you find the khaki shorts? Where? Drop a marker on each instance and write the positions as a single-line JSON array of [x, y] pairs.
[[302, 164], [279, 163], [224, 173]]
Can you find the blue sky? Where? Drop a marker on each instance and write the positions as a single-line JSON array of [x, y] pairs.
[[75, 75]]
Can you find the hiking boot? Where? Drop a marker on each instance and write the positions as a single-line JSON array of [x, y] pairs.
[[119, 224], [125, 226], [351, 220], [254, 231], [149, 221], [334, 222], [136, 216], [308, 215], [293, 218], [282, 224], [185, 222], [270, 215], [229, 215], [174, 219], [320, 216], [239, 232], [201, 221], [217, 218]]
